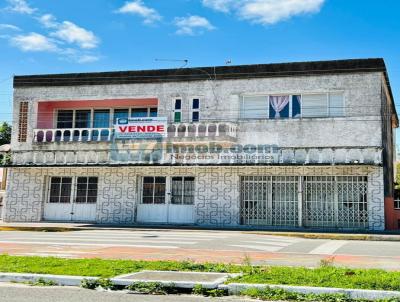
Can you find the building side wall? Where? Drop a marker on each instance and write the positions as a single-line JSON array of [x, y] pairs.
[[217, 199]]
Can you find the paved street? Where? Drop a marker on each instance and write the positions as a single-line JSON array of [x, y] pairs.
[[18, 293], [201, 245]]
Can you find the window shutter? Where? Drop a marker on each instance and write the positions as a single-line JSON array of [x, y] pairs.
[[23, 122], [254, 107], [336, 104], [314, 105]]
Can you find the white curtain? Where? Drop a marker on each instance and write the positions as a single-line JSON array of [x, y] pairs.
[[279, 103]]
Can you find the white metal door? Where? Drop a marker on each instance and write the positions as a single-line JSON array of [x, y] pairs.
[[58, 206], [166, 200], [71, 199], [153, 207], [181, 207]]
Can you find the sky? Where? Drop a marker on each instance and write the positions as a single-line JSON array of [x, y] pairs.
[[61, 36]]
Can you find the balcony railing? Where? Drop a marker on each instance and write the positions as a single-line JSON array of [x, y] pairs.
[[176, 130]]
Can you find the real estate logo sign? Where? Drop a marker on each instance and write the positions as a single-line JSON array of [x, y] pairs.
[[141, 128]]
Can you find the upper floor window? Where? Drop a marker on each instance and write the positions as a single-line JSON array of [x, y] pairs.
[[101, 118], [195, 110], [178, 111], [292, 106], [144, 112]]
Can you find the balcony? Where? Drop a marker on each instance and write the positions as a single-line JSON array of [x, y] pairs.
[[178, 131]]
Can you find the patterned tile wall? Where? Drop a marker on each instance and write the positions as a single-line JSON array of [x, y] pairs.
[[217, 198]]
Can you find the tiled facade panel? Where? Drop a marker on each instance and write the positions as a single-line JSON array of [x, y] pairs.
[[217, 199]]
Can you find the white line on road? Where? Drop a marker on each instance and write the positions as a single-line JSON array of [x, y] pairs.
[[260, 247], [328, 248], [269, 243], [91, 244], [105, 240], [104, 237]]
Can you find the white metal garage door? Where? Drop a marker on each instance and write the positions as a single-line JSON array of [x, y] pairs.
[[312, 201], [166, 200], [71, 199]]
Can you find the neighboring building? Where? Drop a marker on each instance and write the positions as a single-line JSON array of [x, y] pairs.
[[279, 145]]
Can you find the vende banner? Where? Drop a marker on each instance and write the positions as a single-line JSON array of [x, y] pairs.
[[141, 128]]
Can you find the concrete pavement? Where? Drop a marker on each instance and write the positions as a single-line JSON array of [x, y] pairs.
[[201, 246], [18, 293]]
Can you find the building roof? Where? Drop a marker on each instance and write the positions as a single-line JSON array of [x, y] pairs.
[[203, 73]]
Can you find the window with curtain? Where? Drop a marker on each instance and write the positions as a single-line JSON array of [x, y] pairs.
[[182, 190], [279, 106], [153, 190]]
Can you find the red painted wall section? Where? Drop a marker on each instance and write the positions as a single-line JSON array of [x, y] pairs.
[[46, 109], [392, 216]]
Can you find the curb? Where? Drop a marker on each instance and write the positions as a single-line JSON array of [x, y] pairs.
[[64, 280], [232, 288], [236, 288]]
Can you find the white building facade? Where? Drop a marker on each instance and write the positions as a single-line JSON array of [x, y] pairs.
[[298, 145]]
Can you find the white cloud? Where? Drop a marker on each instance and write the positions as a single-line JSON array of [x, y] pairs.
[[137, 7], [9, 27], [20, 6], [220, 5], [266, 11], [87, 58], [192, 25], [34, 42], [72, 33], [48, 21]]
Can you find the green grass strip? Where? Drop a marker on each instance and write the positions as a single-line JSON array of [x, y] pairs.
[[325, 276], [101, 267], [272, 294]]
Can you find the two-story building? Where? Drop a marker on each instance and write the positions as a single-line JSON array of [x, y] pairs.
[[293, 145]]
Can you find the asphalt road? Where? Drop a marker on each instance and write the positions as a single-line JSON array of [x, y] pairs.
[[201, 245], [19, 293]]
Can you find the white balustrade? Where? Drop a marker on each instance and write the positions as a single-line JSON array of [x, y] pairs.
[[72, 135], [201, 129]]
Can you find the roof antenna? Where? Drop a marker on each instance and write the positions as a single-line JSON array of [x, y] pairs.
[[184, 61], [228, 62]]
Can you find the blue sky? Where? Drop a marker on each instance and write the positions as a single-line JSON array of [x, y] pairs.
[[48, 36]]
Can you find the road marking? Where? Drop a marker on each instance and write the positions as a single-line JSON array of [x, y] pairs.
[[106, 240], [270, 243], [259, 247], [102, 237], [90, 244], [328, 248]]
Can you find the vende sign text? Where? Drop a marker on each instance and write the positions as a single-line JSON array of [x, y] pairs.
[[141, 128]]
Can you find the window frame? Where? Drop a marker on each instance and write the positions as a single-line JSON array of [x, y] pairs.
[[73, 191], [291, 95], [92, 110], [86, 190], [182, 194], [153, 190], [174, 111], [193, 110]]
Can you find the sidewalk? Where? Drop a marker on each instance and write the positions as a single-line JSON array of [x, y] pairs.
[[67, 227]]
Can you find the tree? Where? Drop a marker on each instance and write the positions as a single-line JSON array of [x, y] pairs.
[[5, 133]]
